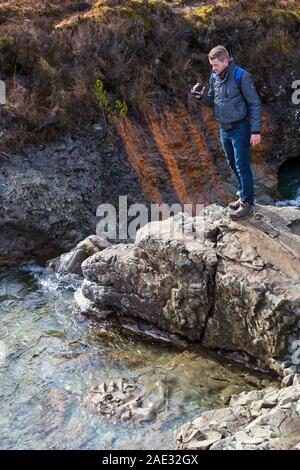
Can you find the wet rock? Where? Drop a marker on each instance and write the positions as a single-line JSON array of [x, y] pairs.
[[144, 328], [86, 307], [71, 262], [68, 262]]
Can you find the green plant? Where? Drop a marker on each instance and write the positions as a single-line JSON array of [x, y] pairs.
[[122, 109], [114, 112]]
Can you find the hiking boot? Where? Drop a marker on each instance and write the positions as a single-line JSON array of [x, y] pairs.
[[245, 211], [234, 205]]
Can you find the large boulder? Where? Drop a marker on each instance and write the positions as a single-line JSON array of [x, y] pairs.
[[230, 285], [157, 281]]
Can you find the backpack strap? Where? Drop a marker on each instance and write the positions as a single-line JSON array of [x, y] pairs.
[[238, 75]]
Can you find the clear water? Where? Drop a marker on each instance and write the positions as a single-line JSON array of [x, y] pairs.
[[50, 357], [289, 183]]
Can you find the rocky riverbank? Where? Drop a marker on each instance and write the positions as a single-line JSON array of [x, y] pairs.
[[266, 419], [235, 288]]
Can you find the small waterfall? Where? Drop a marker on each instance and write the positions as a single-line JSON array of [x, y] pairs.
[[290, 202], [289, 183]]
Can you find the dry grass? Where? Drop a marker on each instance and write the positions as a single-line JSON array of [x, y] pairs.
[[143, 51]]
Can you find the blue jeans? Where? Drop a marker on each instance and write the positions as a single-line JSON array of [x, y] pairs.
[[237, 148]]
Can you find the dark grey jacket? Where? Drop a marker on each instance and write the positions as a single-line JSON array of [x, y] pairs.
[[231, 101]]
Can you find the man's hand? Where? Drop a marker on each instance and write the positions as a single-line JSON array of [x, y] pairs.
[[197, 91], [255, 139]]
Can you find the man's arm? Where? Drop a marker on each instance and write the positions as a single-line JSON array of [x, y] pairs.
[[208, 97], [251, 96]]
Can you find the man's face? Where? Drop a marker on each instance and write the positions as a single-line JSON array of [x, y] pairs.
[[218, 66]]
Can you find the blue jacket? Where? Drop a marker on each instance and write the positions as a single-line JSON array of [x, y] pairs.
[[232, 101]]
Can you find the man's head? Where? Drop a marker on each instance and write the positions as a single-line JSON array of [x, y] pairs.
[[218, 59]]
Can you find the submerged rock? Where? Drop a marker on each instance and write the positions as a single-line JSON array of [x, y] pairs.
[[126, 399], [231, 285]]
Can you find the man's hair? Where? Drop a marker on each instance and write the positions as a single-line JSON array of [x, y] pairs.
[[218, 52]]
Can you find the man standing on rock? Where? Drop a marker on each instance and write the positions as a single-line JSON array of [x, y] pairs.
[[237, 108]]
